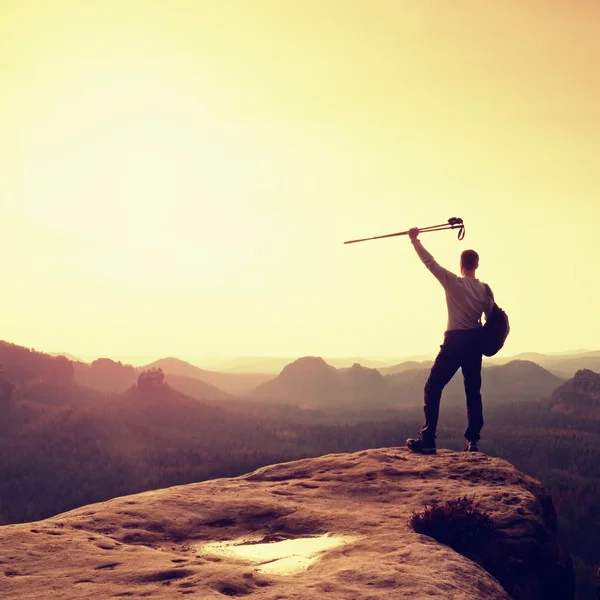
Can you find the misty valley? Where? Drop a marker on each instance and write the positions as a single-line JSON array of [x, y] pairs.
[[74, 433]]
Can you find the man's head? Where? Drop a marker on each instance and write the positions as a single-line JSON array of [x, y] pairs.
[[469, 261]]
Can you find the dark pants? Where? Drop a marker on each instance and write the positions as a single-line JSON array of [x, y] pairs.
[[460, 349]]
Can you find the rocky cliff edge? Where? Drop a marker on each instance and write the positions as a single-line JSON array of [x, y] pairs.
[[333, 527]]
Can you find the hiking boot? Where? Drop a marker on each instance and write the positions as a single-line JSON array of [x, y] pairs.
[[421, 446], [472, 446]]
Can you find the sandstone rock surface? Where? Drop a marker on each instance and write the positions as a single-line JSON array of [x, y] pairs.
[[152, 544]]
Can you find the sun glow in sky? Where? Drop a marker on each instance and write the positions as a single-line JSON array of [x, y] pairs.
[[177, 178]]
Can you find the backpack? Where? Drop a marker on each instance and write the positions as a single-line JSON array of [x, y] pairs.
[[496, 329]]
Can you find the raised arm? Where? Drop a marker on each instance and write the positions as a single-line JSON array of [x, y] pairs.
[[444, 276]]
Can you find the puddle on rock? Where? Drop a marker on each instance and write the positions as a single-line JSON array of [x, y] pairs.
[[284, 557]]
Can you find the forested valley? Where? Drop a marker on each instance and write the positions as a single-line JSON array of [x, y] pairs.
[[64, 445]]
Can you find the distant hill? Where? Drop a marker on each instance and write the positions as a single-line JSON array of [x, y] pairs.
[[25, 367], [303, 381], [537, 357], [176, 366], [407, 365], [196, 388], [563, 364], [567, 367], [580, 396], [519, 379], [105, 375], [271, 365], [363, 383], [311, 382], [170, 413], [232, 383]]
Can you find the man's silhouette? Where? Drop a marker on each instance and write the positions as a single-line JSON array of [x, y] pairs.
[[467, 298]]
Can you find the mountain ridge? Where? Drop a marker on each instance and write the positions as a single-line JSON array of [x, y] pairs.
[[310, 381], [232, 383]]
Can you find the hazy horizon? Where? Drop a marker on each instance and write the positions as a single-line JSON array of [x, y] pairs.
[[179, 178], [199, 360], [208, 361]]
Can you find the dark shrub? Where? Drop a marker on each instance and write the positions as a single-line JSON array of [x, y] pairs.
[[457, 523]]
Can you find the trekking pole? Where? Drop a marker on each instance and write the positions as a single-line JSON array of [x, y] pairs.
[[453, 223]]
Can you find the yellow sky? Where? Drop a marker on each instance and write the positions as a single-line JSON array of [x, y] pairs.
[[177, 178]]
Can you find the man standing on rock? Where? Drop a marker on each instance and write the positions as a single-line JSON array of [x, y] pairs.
[[467, 298]]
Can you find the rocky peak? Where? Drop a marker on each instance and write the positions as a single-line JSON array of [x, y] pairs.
[[580, 396], [586, 381], [151, 379]]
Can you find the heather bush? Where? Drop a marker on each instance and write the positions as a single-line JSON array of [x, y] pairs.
[[456, 523]]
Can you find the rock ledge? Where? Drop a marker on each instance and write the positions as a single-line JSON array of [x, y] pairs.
[[147, 545]]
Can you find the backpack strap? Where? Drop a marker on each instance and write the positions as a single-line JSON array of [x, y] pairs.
[[490, 294]]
